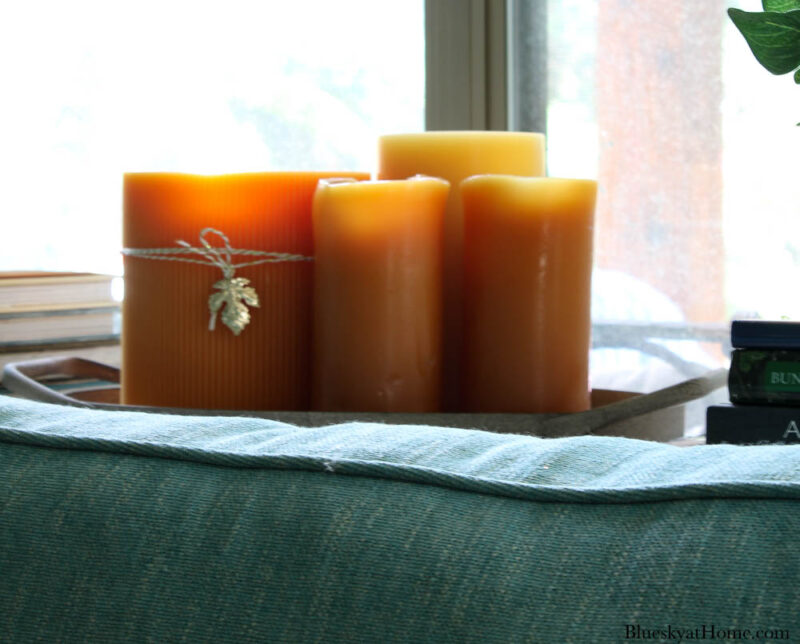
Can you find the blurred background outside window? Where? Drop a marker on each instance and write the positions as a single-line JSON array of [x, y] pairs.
[[94, 89]]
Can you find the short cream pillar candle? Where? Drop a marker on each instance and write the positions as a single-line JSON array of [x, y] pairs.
[[527, 293]]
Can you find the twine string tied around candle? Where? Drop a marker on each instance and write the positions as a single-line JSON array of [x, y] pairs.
[[233, 296]]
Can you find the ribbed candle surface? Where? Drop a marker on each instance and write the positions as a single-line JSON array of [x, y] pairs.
[[169, 356]]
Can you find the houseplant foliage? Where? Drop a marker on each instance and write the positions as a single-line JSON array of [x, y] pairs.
[[773, 35]]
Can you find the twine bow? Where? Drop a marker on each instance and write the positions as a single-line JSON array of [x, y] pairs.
[[234, 296]]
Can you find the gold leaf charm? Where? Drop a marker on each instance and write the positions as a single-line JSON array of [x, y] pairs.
[[235, 296]]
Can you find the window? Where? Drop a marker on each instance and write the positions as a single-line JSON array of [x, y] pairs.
[[94, 89], [636, 99], [693, 144]]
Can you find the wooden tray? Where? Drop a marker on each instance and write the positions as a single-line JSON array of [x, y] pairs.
[[655, 416]]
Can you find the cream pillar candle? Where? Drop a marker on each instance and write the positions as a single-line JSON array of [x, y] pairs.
[[377, 295], [527, 293]]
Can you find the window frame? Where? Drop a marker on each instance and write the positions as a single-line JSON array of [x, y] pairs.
[[466, 54]]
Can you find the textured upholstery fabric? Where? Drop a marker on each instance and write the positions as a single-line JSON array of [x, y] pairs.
[[132, 527]]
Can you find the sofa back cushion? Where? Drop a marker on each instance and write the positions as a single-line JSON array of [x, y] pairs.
[[133, 527]]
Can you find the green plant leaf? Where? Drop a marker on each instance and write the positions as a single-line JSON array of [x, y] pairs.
[[780, 5], [797, 77], [774, 38]]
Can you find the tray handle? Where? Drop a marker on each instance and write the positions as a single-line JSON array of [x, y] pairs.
[[595, 419], [21, 378]]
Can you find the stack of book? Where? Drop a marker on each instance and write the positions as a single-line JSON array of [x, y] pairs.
[[763, 384], [50, 314]]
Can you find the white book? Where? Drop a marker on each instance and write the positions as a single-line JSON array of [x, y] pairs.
[[35, 290]]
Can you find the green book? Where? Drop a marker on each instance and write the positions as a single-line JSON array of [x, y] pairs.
[[765, 377]]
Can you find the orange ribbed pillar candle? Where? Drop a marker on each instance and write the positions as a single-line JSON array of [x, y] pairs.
[[527, 293], [454, 156], [169, 355]]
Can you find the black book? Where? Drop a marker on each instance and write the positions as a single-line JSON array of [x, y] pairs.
[[765, 334], [752, 425], [764, 377]]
